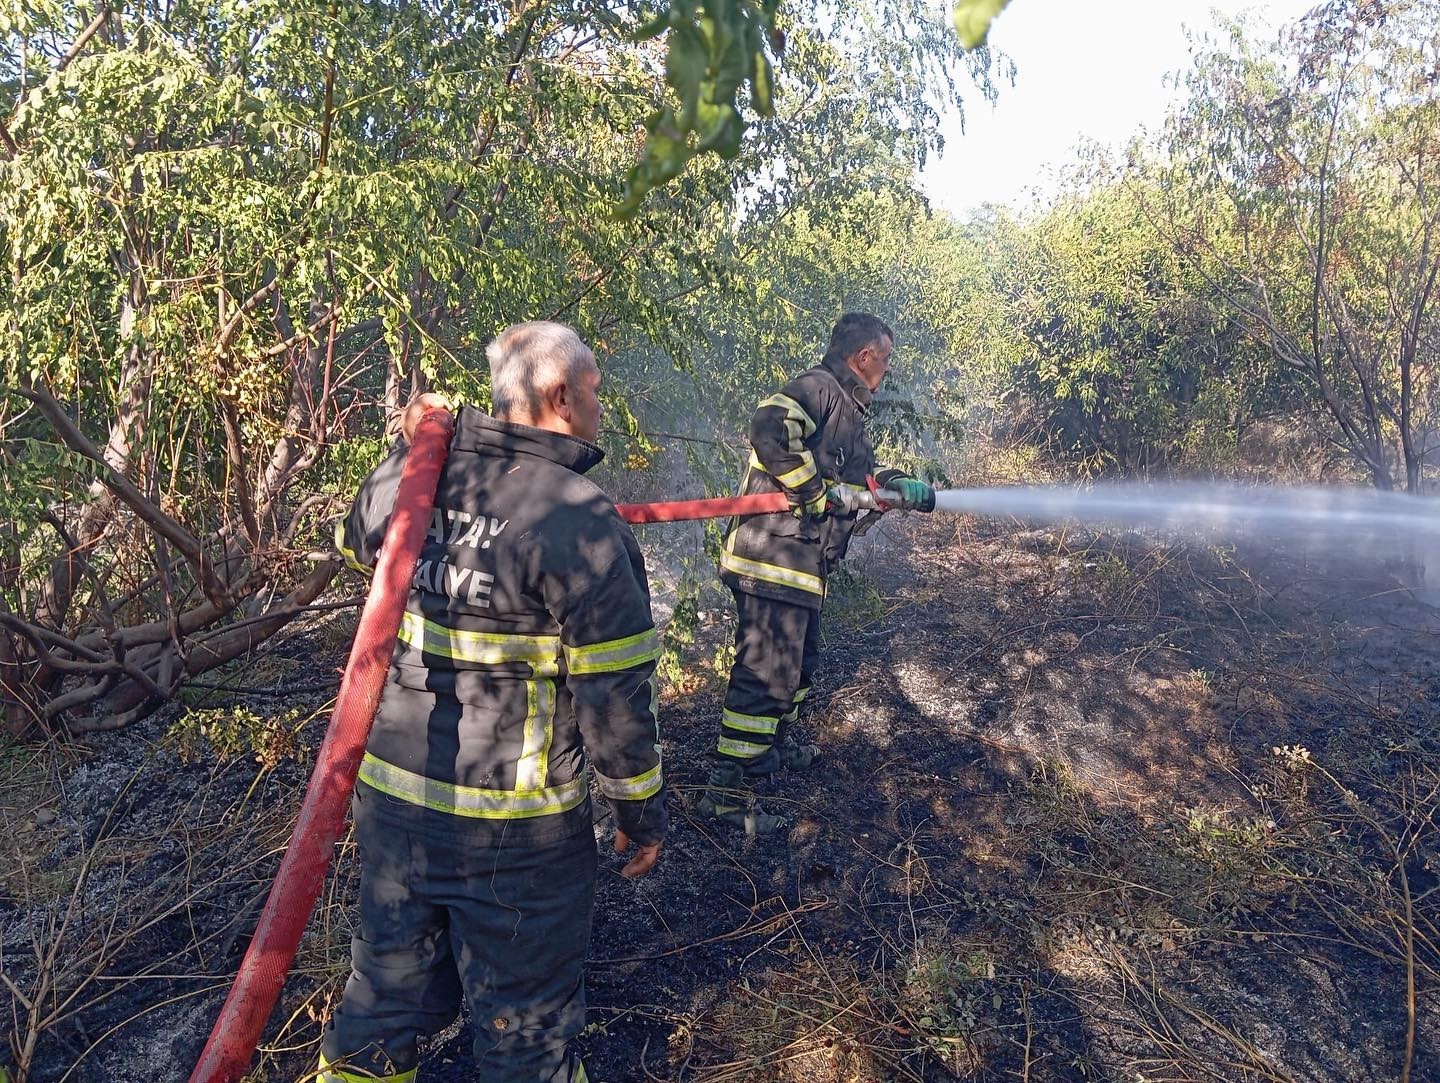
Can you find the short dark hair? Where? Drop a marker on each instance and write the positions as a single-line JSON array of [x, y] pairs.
[[853, 332]]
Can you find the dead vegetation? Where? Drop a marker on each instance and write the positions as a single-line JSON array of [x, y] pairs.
[[1096, 807]]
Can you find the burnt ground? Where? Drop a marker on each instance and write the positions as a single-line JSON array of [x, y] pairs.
[[1092, 807]]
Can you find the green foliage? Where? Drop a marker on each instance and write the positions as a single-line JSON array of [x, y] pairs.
[[946, 995], [679, 635], [972, 19], [223, 733], [714, 47], [1101, 344], [239, 235], [852, 600], [1299, 180]]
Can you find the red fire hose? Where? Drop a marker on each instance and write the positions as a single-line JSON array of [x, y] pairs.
[[322, 815], [675, 511], [227, 1054], [869, 496]]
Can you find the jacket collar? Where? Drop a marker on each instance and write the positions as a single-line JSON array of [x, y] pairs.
[[478, 431], [848, 381]]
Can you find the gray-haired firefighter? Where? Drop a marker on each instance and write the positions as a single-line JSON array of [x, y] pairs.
[[804, 440], [527, 647]]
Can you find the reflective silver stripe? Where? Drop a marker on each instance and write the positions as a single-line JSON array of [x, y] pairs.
[[750, 723], [484, 648], [534, 762], [351, 558], [634, 788], [469, 800], [613, 654], [728, 746], [771, 573]]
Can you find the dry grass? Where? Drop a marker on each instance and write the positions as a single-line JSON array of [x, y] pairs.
[[1179, 909], [141, 910]]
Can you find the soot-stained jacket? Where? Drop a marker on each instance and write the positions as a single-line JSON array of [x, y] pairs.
[[805, 437], [527, 642]]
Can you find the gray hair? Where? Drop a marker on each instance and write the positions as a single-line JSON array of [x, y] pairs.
[[527, 360]]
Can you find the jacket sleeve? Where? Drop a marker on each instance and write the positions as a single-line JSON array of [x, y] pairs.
[[779, 431], [359, 534], [610, 646]]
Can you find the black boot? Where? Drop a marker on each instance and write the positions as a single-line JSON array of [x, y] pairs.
[[728, 800]]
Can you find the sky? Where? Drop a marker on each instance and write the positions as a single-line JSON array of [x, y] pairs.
[[1084, 71]]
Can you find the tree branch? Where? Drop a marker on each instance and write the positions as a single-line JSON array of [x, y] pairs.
[[124, 489]]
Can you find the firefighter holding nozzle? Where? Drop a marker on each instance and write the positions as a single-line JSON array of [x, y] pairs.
[[809, 441]]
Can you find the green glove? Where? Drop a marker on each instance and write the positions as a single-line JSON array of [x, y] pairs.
[[815, 509], [914, 494]]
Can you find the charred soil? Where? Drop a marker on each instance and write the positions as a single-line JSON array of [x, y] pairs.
[[1091, 807]]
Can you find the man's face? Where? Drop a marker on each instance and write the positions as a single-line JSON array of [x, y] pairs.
[[585, 402], [872, 362]]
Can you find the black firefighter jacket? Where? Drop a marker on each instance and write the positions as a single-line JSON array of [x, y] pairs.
[[806, 437], [527, 642]]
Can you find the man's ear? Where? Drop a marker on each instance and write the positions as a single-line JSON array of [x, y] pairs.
[[559, 400]]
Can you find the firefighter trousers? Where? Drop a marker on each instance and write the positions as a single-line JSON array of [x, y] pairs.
[[444, 915], [777, 646]]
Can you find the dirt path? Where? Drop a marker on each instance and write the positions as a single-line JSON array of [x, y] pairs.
[[1052, 838]]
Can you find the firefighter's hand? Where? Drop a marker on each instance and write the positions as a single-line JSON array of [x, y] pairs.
[[644, 859], [914, 494], [431, 400]]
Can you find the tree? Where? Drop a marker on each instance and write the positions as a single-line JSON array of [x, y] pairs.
[[1304, 184], [1116, 353], [238, 232]]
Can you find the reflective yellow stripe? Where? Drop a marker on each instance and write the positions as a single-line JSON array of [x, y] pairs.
[[580, 1076], [793, 412], [534, 763], [484, 648], [771, 573], [469, 800], [613, 654], [791, 479], [728, 746], [794, 712], [634, 788], [337, 1075], [750, 723], [350, 556]]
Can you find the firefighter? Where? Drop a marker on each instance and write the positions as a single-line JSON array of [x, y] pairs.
[[526, 649], [804, 439]]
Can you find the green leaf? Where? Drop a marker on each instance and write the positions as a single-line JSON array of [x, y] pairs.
[[973, 19], [685, 70], [761, 87]]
